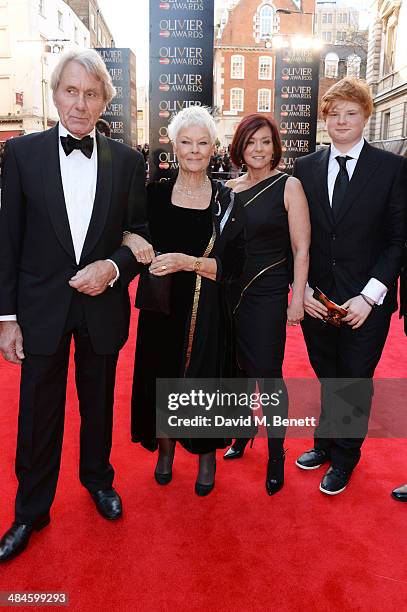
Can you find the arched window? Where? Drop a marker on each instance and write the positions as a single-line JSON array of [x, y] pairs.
[[353, 65], [237, 67], [331, 65], [264, 101], [266, 21], [237, 99], [265, 67]]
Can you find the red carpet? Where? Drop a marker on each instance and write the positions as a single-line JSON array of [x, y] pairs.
[[236, 550]]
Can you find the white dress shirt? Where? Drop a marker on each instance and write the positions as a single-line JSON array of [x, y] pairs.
[[374, 289], [79, 176]]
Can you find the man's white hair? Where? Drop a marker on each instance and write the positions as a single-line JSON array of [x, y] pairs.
[[187, 117], [93, 64]]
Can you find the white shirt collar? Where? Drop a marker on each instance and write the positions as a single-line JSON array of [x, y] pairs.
[[62, 131], [354, 152]]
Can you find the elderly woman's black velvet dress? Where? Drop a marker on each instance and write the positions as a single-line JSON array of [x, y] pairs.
[[189, 342]]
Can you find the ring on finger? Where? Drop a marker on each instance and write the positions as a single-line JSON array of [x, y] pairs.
[[163, 268]]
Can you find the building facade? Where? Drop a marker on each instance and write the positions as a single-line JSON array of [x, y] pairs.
[[335, 23], [387, 75], [32, 34], [142, 116], [90, 14], [245, 59]]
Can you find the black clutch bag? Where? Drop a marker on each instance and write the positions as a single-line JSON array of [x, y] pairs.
[[154, 292]]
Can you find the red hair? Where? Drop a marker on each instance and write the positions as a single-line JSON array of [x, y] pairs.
[[245, 130]]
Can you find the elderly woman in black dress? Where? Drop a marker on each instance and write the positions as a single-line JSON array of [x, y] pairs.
[[198, 231], [277, 224]]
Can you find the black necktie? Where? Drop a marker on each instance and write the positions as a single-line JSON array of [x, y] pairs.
[[85, 145], [341, 184]]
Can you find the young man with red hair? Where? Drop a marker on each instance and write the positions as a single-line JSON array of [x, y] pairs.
[[357, 200]]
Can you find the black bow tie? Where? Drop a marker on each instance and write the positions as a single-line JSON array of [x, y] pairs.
[[85, 145]]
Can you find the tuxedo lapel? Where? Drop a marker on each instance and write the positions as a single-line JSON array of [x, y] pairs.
[[102, 196], [320, 177], [53, 189], [365, 168]]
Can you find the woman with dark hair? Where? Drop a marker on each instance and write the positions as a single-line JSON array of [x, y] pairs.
[[277, 223]]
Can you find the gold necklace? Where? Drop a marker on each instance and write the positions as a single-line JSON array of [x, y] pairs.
[[196, 193]]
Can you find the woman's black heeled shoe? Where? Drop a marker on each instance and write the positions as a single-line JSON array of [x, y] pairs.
[[204, 489], [275, 474], [163, 479], [236, 451]]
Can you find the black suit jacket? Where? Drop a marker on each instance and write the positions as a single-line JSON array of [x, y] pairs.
[[37, 256], [366, 239]]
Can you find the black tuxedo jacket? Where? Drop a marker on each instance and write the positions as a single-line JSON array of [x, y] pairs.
[[37, 256], [366, 239]]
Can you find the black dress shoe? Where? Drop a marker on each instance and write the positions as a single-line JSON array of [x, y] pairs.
[[312, 459], [334, 481], [236, 451], [275, 475], [400, 493], [15, 540], [108, 503]]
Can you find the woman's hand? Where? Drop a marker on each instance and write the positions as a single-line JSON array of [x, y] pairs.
[[168, 263], [141, 249], [295, 311]]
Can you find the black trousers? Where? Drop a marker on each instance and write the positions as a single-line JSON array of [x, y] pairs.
[[261, 320], [42, 413], [343, 353]]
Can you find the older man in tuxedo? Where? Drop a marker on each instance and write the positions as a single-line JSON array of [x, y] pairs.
[[356, 196], [68, 195]]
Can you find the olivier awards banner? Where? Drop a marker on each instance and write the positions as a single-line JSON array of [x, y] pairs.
[[181, 70], [296, 102], [121, 113]]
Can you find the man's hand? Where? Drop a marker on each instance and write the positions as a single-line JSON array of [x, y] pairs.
[[94, 278], [141, 249], [312, 306], [358, 311], [11, 342]]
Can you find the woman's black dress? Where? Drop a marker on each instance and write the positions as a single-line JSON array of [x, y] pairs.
[[262, 291], [185, 343]]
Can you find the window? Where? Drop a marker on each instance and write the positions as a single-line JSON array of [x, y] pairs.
[[60, 20], [41, 8], [327, 36], [326, 17], [99, 34], [385, 125], [4, 42], [340, 36], [405, 120], [237, 67], [331, 65], [265, 68], [353, 66], [76, 34], [92, 21], [389, 46], [236, 99], [266, 21], [342, 18], [264, 100]]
